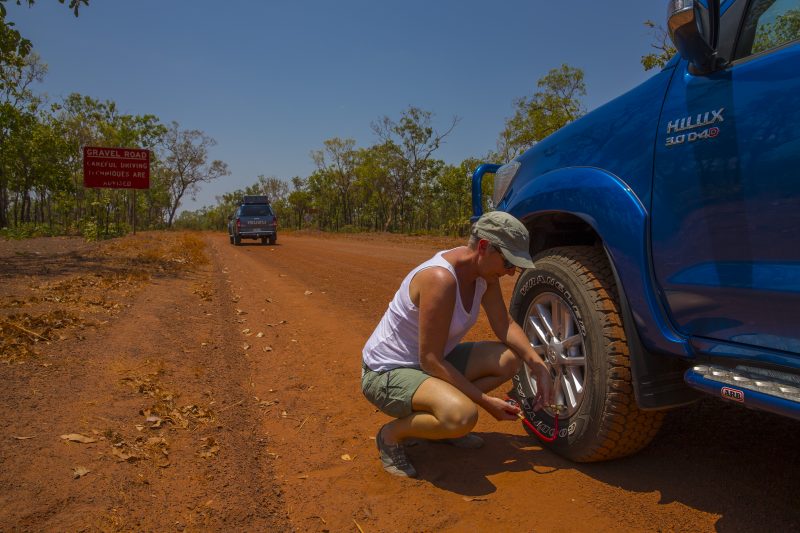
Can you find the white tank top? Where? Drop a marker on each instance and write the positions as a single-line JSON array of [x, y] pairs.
[[395, 342]]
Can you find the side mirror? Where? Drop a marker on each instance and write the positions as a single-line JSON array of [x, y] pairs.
[[693, 27]]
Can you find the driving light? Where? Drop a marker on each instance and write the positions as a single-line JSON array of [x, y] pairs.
[[502, 179]]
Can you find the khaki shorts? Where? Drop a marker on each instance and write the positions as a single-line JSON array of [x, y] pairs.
[[392, 391]]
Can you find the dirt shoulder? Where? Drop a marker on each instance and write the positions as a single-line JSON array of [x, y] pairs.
[[131, 355]]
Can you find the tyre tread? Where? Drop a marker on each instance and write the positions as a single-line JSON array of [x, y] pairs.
[[624, 428]]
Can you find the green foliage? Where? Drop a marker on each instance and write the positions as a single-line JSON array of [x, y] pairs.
[[556, 103], [785, 28], [185, 165], [28, 230], [41, 178], [394, 184], [406, 167], [662, 46], [74, 5], [90, 230], [13, 47]]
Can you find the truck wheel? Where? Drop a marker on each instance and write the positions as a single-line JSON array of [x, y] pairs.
[[230, 237], [237, 240], [273, 239], [568, 307], [264, 240]]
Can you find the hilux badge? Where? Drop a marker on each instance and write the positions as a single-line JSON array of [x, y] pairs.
[[695, 121], [691, 122]]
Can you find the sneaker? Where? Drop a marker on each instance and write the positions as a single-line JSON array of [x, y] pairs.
[[470, 441], [394, 458]]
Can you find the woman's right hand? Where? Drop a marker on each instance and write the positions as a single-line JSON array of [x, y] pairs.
[[500, 409]]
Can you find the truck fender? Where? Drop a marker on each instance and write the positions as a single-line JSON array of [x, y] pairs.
[[616, 214]]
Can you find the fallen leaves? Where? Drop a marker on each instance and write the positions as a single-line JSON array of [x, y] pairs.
[[124, 455], [308, 293], [209, 449], [118, 270], [154, 421], [263, 404], [77, 437], [20, 332], [155, 449], [240, 402], [474, 499], [203, 293], [22, 438], [166, 410], [79, 471], [346, 457]]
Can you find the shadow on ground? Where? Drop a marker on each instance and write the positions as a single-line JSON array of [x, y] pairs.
[[714, 457]]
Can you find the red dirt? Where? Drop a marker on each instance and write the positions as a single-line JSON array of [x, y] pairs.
[[270, 432]]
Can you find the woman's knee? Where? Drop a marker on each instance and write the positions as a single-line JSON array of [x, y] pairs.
[[509, 364], [459, 417]]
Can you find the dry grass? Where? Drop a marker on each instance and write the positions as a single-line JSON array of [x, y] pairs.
[[100, 284], [161, 251]]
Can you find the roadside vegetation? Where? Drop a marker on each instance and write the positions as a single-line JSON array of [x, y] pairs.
[[46, 309], [41, 173], [394, 184]]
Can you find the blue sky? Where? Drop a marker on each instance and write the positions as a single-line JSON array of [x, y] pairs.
[[270, 81]]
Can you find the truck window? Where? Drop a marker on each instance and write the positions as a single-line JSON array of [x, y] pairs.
[[256, 211], [768, 24]]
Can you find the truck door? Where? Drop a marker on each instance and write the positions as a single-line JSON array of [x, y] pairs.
[[725, 229]]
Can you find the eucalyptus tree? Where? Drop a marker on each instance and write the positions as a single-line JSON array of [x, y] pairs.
[[323, 199], [453, 203], [663, 50], [185, 165], [376, 186], [338, 158], [556, 103], [19, 68], [299, 203], [407, 147]]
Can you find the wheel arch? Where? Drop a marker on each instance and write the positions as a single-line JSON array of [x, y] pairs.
[[588, 206]]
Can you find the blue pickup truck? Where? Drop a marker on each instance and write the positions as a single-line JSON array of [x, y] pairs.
[[665, 228]]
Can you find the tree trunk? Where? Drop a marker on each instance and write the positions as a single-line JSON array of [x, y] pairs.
[[3, 205]]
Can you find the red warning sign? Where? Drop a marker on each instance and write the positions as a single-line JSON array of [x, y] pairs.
[[116, 168]]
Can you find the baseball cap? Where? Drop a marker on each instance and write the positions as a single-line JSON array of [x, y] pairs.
[[507, 234]]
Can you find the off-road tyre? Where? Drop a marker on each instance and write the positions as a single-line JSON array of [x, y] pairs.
[[230, 238], [264, 240], [607, 423], [237, 240], [273, 239]]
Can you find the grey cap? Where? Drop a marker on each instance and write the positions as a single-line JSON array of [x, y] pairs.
[[508, 235]]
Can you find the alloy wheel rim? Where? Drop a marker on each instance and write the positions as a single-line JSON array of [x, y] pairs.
[[552, 329]]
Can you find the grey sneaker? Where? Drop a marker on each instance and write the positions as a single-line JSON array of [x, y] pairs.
[[469, 441], [394, 458]]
